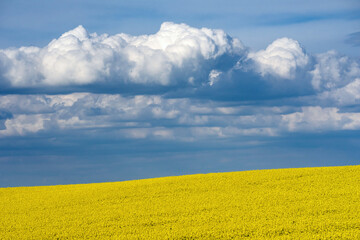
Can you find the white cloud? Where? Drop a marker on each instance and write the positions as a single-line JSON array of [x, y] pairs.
[[281, 58], [24, 124], [347, 95], [177, 55], [66, 100], [231, 131], [333, 71], [214, 77], [316, 118], [25, 104], [78, 58], [19, 65]]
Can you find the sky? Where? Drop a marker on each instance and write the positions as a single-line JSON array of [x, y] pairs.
[[98, 91]]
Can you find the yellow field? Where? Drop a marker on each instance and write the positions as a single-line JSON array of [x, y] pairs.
[[308, 203]]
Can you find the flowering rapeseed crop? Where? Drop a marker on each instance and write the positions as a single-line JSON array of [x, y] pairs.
[[310, 203]]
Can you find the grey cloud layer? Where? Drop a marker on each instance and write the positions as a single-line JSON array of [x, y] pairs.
[[146, 116]]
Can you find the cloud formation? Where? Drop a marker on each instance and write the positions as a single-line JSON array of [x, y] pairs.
[[176, 53], [152, 116], [213, 86], [180, 60], [281, 58], [332, 71]]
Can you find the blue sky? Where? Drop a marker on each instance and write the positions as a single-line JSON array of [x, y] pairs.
[[115, 90]]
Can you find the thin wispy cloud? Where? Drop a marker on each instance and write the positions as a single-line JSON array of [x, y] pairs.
[[353, 39]]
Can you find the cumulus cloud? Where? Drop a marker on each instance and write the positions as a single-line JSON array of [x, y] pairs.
[[332, 71], [177, 52], [281, 58], [178, 60], [24, 124], [321, 119], [347, 95]]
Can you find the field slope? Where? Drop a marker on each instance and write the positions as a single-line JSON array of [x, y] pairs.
[[308, 203]]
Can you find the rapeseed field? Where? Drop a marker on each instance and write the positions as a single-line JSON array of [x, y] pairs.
[[308, 203]]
